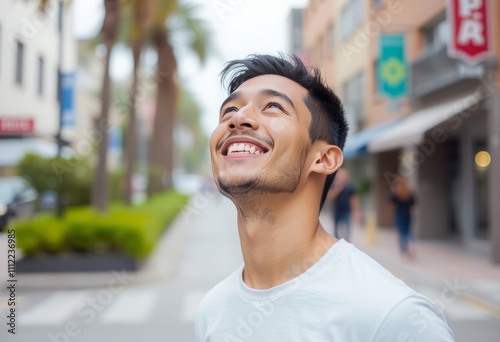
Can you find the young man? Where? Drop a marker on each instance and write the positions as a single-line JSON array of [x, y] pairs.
[[274, 154]]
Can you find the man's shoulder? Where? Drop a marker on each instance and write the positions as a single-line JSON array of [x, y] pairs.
[[216, 302], [390, 307], [220, 293], [417, 317], [371, 281], [362, 261]]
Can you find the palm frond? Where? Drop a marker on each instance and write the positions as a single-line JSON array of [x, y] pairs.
[[165, 9], [138, 17], [197, 29]]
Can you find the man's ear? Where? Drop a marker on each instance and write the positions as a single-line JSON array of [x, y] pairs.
[[327, 159]]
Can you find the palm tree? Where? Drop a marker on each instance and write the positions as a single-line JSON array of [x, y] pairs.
[[161, 151], [108, 33], [142, 13], [194, 156]]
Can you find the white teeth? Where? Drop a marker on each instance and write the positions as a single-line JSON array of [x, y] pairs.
[[240, 147]]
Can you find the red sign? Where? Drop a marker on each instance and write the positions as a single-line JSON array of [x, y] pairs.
[[470, 26], [16, 126]]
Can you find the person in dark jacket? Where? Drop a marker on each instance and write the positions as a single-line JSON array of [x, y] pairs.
[[345, 204], [403, 201]]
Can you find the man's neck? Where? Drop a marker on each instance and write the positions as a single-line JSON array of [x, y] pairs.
[[281, 238]]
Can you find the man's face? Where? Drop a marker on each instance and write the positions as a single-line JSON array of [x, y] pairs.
[[262, 139]]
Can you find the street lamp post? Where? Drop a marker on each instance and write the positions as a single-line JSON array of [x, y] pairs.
[[59, 138]]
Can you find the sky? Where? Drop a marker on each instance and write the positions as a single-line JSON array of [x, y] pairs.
[[238, 27]]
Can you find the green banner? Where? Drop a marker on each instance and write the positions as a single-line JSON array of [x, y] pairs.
[[392, 70]]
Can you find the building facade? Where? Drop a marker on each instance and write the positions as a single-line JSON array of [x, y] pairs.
[[443, 135], [29, 67]]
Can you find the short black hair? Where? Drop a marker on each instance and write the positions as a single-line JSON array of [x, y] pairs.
[[328, 120]]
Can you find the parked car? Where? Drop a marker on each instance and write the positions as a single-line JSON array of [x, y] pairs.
[[17, 199]]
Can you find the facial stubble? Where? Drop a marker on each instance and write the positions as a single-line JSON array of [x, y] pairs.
[[285, 181]]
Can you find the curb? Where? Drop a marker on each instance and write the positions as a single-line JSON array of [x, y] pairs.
[[478, 300], [485, 295]]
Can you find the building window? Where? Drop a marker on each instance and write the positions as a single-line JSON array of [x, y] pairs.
[[60, 16], [296, 30], [320, 50], [350, 18], [41, 75], [345, 21], [19, 62], [1, 50], [354, 97], [436, 34], [331, 39]]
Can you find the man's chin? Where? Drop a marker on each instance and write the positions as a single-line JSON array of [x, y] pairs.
[[236, 187]]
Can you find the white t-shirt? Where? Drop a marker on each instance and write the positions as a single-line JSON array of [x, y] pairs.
[[345, 297]]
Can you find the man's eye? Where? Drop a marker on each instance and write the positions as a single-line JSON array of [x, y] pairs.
[[274, 105], [230, 109]]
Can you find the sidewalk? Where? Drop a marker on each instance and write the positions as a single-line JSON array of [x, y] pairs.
[[435, 263]]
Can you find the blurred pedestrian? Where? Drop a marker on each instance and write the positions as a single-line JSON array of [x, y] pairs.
[[274, 154], [346, 205], [403, 201]]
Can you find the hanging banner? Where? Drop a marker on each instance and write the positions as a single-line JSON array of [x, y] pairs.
[[392, 70], [470, 26], [115, 140], [68, 99]]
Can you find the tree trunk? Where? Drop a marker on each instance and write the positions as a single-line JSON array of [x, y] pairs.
[[109, 34], [161, 146], [131, 142]]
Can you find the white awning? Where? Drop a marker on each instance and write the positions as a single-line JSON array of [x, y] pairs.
[[13, 150], [411, 131]]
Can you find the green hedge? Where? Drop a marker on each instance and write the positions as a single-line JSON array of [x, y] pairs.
[[71, 177], [130, 230]]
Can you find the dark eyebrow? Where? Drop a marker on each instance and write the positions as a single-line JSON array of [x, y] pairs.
[[233, 96], [275, 93]]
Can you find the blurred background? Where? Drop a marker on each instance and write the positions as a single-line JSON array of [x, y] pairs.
[[105, 112]]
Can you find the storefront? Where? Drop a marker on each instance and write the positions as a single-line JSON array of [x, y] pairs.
[[16, 139], [443, 150]]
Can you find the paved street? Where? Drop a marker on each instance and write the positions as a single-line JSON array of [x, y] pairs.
[[163, 309]]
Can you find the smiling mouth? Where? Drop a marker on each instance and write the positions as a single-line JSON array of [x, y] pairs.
[[243, 148]]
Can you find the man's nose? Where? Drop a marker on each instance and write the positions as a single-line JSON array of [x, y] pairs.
[[245, 118]]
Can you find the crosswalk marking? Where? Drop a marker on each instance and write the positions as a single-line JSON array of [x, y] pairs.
[[54, 310], [190, 304], [132, 306]]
